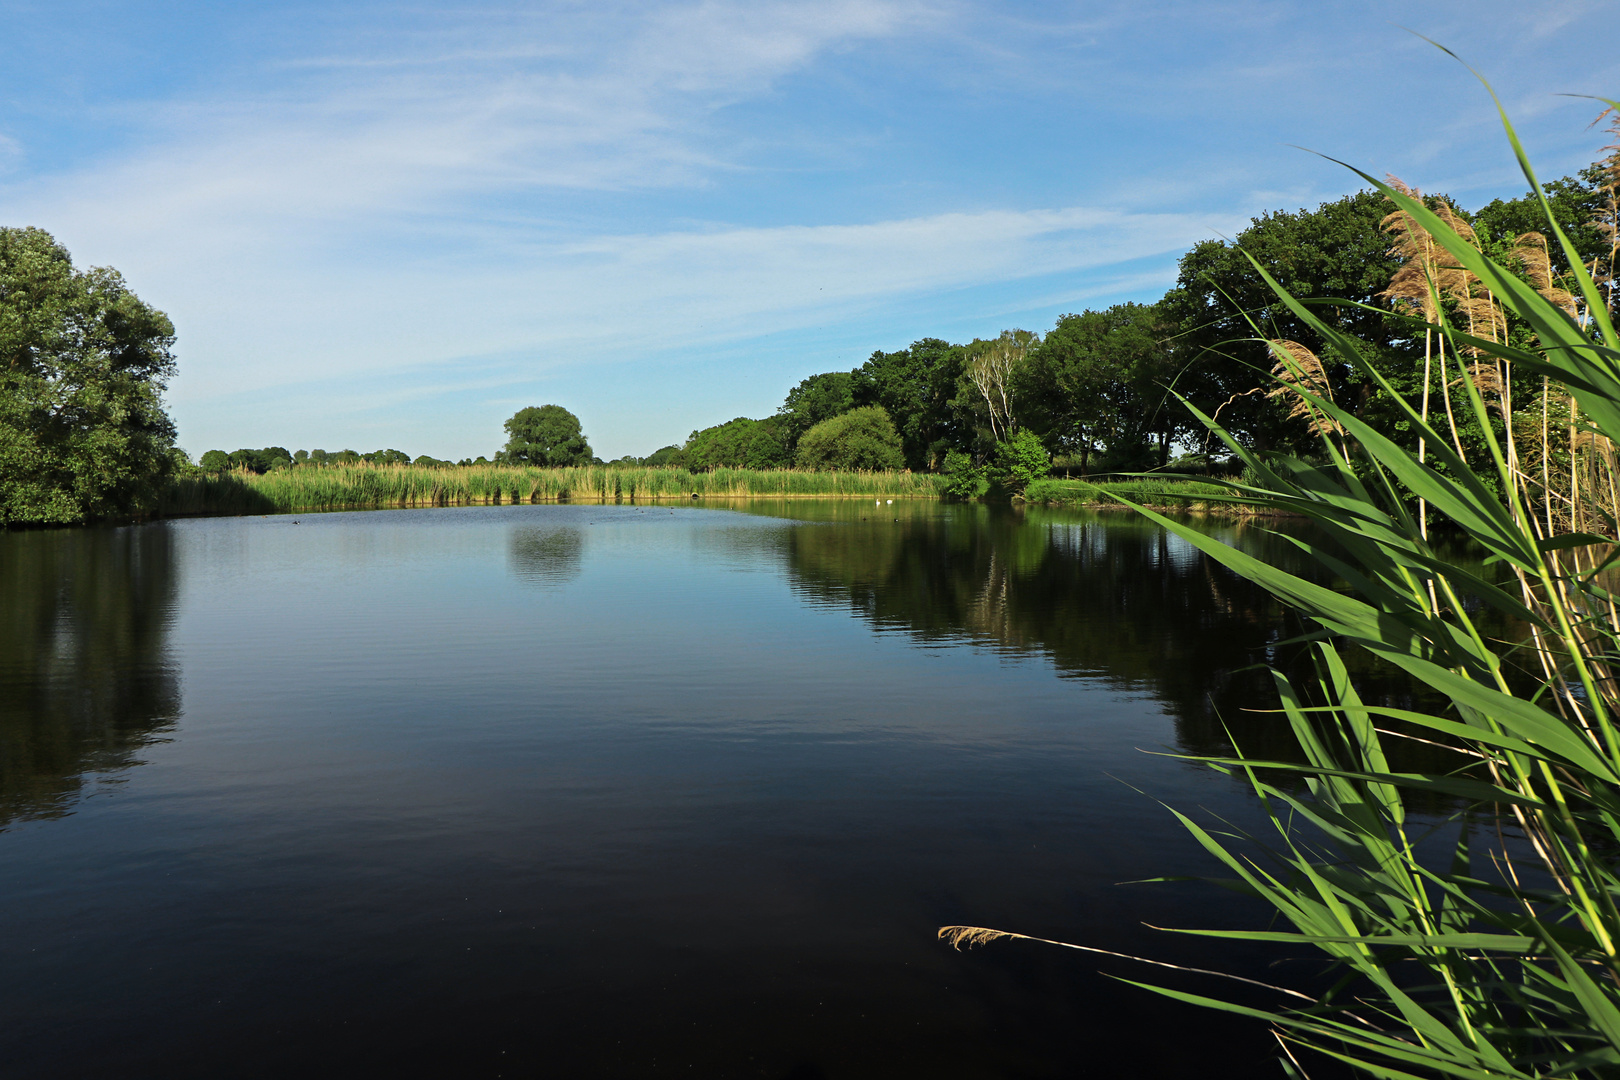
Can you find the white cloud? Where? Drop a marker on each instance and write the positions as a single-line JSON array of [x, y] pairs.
[[392, 211]]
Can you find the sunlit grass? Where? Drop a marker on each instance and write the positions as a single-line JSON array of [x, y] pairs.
[[368, 487], [1188, 494]]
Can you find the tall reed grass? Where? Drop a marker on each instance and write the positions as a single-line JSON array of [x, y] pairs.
[[1487, 945], [365, 487]]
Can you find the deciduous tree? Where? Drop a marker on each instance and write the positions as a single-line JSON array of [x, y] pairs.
[[83, 364], [549, 436]]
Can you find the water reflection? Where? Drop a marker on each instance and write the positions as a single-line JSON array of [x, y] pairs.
[[1101, 595], [85, 675], [547, 556]]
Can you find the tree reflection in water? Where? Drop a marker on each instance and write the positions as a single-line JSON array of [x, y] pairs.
[[547, 556], [85, 675], [1102, 595]]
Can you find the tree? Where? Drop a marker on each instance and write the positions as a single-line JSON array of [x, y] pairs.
[[820, 397], [215, 461], [83, 364], [916, 387], [991, 368], [1337, 250], [863, 438], [261, 461], [740, 443], [1098, 382], [549, 436]]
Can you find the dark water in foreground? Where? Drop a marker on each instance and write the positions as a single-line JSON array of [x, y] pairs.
[[613, 791]]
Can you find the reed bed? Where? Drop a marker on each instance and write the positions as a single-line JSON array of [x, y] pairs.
[[1487, 944], [370, 487]]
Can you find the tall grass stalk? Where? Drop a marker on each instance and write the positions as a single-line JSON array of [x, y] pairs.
[[1495, 952], [365, 487]]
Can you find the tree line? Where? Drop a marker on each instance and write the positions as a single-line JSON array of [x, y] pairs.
[[1116, 389], [83, 363]]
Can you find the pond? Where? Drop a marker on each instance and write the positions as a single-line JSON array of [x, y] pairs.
[[589, 790]]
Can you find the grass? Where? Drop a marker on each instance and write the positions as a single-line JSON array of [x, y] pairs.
[[1487, 944], [371, 487], [1177, 494]]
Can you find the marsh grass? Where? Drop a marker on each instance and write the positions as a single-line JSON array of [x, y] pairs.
[[370, 487], [1487, 944]]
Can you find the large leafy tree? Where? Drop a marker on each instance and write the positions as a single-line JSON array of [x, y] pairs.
[[820, 397], [548, 435], [916, 387], [83, 364], [1099, 382], [1337, 250]]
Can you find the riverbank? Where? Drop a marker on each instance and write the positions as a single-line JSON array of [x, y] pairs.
[[374, 487], [1187, 495]]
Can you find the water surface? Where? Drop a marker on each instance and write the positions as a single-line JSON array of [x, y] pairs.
[[614, 791]]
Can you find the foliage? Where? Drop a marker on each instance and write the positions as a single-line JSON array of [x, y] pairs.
[[1099, 382], [862, 438], [83, 363], [549, 435], [258, 461], [1492, 949], [818, 398], [965, 480], [917, 388], [1019, 460], [991, 373], [387, 457], [739, 444]]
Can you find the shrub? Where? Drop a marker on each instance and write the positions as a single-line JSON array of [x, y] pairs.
[[1019, 460], [859, 439], [965, 480]]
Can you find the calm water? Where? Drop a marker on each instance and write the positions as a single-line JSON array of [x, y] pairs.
[[613, 791]]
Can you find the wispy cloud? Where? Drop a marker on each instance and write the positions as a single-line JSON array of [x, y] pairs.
[[460, 195]]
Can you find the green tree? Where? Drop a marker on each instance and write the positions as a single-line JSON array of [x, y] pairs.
[[1337, 250], [261, 461], [740, 443], [1099, 382], [1576, 202], [215, 461], [1019, 460], [917, 387], [967, 478], [863, 438], [83, 363], [668, 455], [549, 436], [820, 397]]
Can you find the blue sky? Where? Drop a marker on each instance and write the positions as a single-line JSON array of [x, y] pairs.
[[395, 224]]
